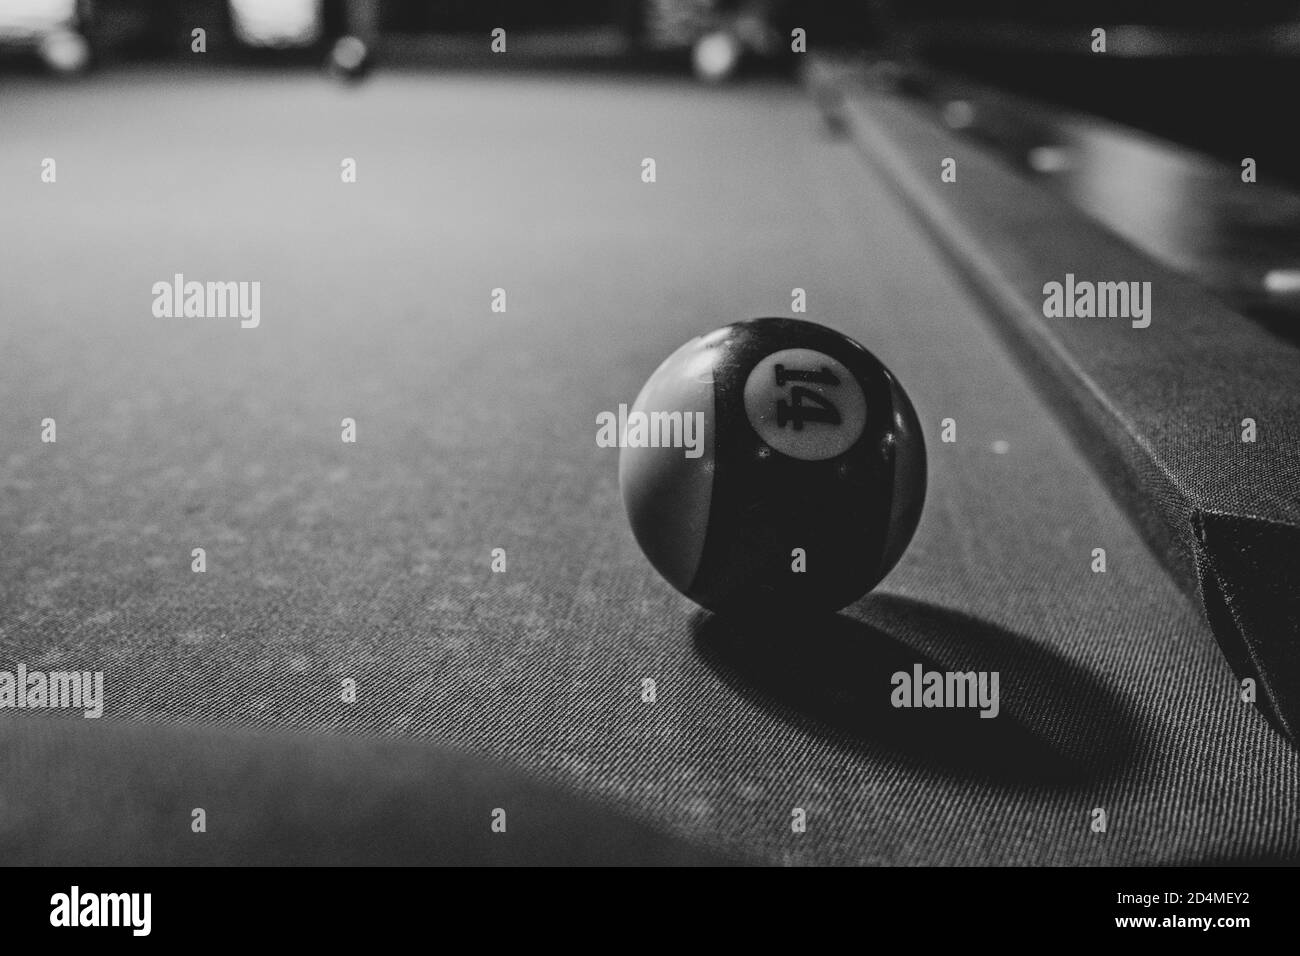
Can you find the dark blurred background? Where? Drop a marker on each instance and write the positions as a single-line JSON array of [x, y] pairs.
[[1210, 76]]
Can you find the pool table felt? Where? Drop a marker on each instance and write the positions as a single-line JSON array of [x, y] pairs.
[[477, 431]]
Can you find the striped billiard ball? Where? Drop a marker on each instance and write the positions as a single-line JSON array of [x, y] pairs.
[[805, 484]]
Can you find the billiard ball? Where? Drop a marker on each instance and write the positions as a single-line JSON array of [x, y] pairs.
[[65, 52], [349, 58], [804, 485], [716, 56]]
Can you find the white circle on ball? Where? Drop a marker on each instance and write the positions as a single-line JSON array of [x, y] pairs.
[[805, 404]]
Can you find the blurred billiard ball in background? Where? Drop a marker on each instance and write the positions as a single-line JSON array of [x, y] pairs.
[[349, 58]]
